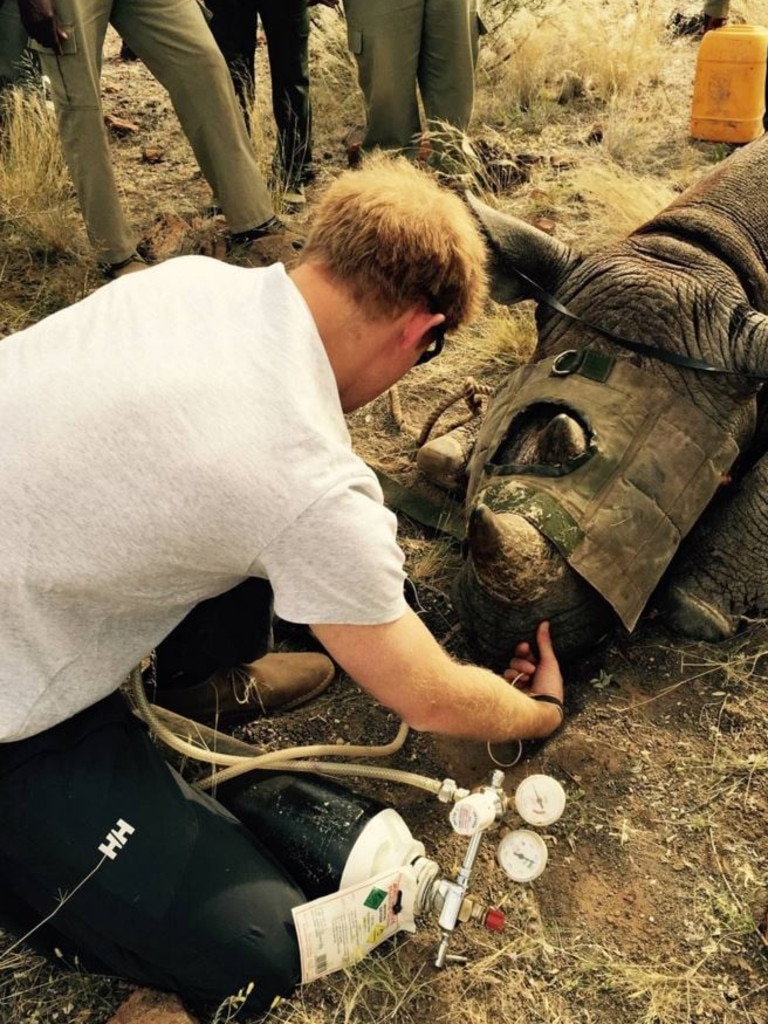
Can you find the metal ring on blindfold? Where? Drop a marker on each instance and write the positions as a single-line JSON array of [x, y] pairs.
[[566, 362]]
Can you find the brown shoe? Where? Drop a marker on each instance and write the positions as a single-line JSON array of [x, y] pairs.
[[276, 682]]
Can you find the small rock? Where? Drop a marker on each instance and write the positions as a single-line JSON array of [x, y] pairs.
[[152, 155], [146, 1006], [166, 237], [545, 224], [119, 126], [561, 162], [353, 143]]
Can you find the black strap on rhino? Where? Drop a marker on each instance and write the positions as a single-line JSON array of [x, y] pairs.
[[618, 511], [651, 351]]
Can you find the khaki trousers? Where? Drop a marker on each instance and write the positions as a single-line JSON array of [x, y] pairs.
[[401, 43], [173, 40]]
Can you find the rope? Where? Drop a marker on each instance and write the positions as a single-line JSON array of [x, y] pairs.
[[396, 408], [471, 392]]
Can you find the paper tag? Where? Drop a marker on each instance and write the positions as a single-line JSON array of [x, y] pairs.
[[336, 931]]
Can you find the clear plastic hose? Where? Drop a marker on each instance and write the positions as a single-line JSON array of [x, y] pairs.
[[244, 758]]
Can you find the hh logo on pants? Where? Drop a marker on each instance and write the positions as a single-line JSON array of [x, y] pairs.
[[116, 839]]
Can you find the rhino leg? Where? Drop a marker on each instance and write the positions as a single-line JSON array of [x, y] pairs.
[[512, 579], [720, 576], [444, 460]]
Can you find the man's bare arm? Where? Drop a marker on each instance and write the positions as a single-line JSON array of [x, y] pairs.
[[402, 665]]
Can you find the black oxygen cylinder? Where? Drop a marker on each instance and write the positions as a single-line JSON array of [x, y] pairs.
[[309, 824]]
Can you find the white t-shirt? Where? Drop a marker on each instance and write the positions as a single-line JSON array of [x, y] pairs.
[[160, 441]]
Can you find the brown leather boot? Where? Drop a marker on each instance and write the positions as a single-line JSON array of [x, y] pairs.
[[276, 682]]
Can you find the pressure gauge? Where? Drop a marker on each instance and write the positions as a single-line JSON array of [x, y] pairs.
[[522, 855], [540, 799]]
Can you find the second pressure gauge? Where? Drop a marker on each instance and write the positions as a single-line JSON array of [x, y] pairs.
[[522, 855]]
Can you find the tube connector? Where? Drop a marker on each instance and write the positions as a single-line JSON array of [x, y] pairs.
[[449, 792]]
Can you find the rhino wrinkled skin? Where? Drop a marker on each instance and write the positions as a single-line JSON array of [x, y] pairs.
[[693, 280]]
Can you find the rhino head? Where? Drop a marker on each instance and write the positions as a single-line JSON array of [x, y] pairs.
[[694, 282]]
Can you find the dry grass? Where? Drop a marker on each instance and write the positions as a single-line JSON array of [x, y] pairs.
[[647, 913], [42, 267], [35, 194], [555, 51]]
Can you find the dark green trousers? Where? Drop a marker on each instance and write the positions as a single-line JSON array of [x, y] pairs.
[[286, 26]]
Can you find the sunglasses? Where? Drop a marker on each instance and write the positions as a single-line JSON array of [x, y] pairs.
[[435, 346]]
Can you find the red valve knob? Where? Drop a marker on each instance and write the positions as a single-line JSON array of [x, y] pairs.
[[494, 920]]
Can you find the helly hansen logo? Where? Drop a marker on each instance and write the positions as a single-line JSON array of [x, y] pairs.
[[116, 839]]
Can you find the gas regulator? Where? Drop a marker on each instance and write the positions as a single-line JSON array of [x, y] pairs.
[[521, 853]]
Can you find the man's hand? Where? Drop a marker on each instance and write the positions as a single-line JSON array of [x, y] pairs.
[[39, 19], [532, 675]]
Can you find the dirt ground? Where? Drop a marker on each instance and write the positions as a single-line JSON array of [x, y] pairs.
[[651, 905]]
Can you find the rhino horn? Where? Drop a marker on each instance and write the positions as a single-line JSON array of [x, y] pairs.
[[484, 534], [505, 547], [513, 578], [545, 441], [519, 247], [561, 440]]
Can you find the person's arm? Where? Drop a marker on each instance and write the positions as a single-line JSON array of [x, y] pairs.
[[403, 667]]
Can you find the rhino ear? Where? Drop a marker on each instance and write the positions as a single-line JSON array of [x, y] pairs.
[[519, 247]]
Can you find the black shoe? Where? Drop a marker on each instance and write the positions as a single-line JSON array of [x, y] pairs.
[[134, 262], [273, 226], [126, 53], [247, 242]]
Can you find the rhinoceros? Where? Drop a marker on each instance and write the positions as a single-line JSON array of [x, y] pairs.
[[608, 479]]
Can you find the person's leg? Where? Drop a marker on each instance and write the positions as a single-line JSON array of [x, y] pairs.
[[447, 63], [13, 42], [74, 77], [234, 25], [174, 41], [231, 629], [385, 39], [160, 884], [286, 26], [214, 666]]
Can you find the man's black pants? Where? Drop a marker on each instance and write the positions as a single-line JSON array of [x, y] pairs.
[[163, 886], [286, 26]]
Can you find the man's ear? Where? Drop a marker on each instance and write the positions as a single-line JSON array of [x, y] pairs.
[[417, 327]]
